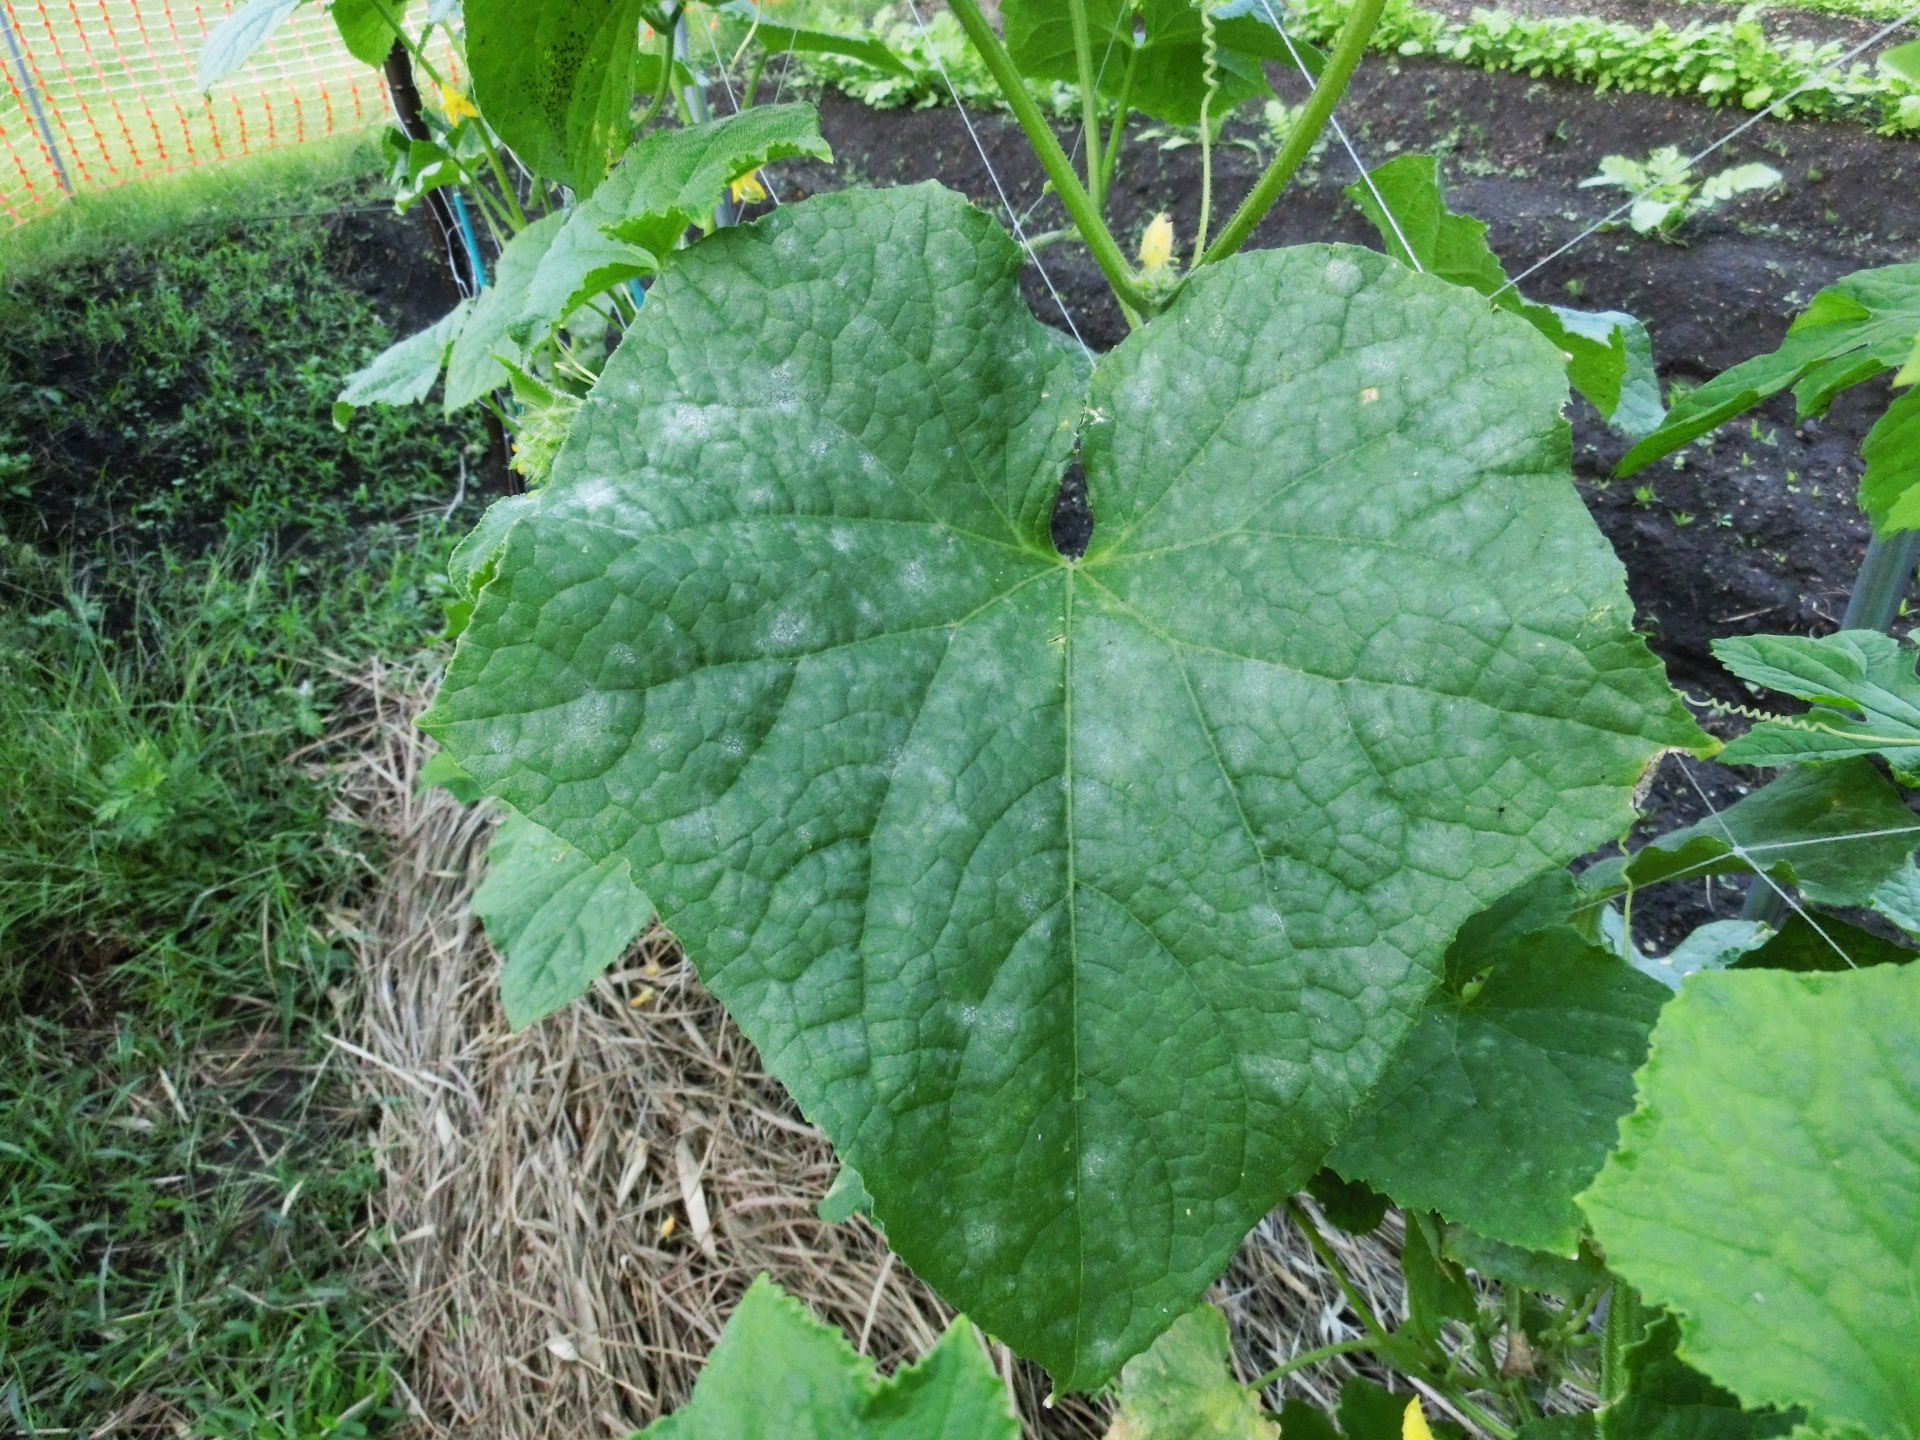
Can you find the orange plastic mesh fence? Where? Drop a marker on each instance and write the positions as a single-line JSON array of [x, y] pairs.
[[100, 92]]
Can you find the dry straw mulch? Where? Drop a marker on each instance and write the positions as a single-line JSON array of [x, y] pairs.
[[574, 1210]]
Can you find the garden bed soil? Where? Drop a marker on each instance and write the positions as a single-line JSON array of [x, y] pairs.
[[1753, 530]]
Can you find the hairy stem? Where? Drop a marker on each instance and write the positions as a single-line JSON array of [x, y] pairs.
[[665, 83], [1066, 184], [1327, 91], [1089, 97], [1118, 134], [1311, 1357]]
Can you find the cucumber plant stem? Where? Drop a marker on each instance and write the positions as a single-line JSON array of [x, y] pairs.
[[1118, 134], [1066, 184], [1332, 84], [1089, 98]]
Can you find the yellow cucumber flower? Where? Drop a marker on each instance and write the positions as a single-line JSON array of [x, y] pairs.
[[748, 190], [1156, 245], [1413, 1424], [454, 101]]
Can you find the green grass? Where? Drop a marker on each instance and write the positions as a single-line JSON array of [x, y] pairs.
[[191, 557], [142, 213]]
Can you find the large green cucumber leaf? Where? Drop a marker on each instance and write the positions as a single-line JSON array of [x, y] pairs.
[[1838, 831], [780, 1374], [1609, 353], [1767, 1189], [1524, 1075], [555, 80], [1667, 1399], [668, 181], [1861, 684], [1854, 329], [474, 368], [1169, 66], [1079, 903], [1183, 1388], [559, 918]]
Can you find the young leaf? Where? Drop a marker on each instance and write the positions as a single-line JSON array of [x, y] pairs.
[[1531, 1269], [1437, 1289], [1861, 684], [780, 1374], [1853, 330], [1890, 489], [1353, 1205], [1767, 1189], [558, 917], [1834, 945], [1012, 866], [1182, 1388], [473, 369], [1712, 946], [786, 39], [1838, 831], [845, 1198], [1169, 67], [1526, 1081], [244, 31], [1667, 1399], [555, 79], [443, 770], [404, 372], [1609, 354], [364, 29], [671, 179]]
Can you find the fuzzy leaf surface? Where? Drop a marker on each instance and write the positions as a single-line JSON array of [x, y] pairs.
[[1838, 831], [1861, 684], [473, 369], [1526, 1080], [780, 1374], [1169, 66], [1667, 1399], [1183, 1388], [244, 31], [1078, 903], [1890, 488], [1609, 353], [555, 79], [1854, 329], [669, 180], [557, 916], [1767, 1189], [404, 372]]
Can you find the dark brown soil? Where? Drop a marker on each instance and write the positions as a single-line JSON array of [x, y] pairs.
[[1756, 531]]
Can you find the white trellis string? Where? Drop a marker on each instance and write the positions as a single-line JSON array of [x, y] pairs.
[[1019, 231], [734, 100], [1624, 206], [1333, 122], [1744, 853]]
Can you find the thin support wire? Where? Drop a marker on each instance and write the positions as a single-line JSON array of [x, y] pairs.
[[1742, 853], [1625, 205], [1339, 130], [1019, 231], [734, 100]]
